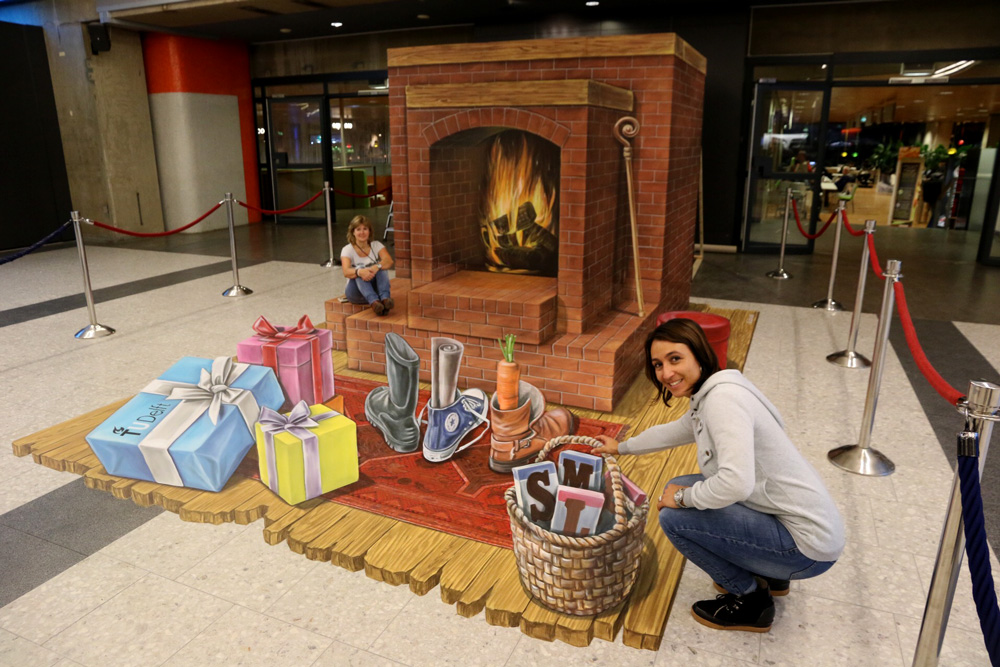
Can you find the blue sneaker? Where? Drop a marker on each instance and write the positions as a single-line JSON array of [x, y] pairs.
[[446, 427]]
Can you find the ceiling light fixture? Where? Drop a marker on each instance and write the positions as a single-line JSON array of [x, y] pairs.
[[285, 30], [423, 17], [336, 24], [954, 67], [592, 3]]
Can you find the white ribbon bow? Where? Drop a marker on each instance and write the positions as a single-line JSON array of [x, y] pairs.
[[213, 387]]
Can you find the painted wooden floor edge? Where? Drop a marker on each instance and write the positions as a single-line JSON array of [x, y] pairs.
[[473, 576]]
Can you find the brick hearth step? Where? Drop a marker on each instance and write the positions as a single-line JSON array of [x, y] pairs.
[[486, 305]]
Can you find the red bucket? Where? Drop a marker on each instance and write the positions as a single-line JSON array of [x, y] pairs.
[[716, 329]]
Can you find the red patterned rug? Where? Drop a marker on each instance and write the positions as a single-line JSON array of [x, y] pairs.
[[461, 496]]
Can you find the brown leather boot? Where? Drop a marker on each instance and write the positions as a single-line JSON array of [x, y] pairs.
[[518, 435]]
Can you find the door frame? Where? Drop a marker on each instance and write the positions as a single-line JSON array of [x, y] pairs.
[[760, 172]]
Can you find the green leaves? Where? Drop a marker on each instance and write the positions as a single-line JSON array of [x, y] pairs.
[[507, 347]]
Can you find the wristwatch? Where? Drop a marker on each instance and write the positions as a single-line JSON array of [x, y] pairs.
[[679, 498]]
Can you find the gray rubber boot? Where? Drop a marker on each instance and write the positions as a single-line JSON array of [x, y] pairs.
[[392, 409]]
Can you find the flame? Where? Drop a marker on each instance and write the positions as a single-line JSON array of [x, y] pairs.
[[515, 191]]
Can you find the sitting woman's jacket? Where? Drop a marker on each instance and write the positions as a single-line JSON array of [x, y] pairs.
[[747, 458]]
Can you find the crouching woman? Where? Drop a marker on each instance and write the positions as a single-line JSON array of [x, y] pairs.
[[758, 515]]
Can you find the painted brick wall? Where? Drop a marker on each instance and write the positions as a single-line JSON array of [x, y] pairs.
[[668, 99]]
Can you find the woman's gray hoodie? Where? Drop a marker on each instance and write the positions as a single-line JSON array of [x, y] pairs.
[[747, 458]]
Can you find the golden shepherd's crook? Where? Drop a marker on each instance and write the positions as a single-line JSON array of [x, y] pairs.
[[627, 128]]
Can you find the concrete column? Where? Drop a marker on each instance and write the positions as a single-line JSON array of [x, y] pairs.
[[203, 125]]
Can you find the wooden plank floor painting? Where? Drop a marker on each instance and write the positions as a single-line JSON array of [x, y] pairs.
[[471, 575]]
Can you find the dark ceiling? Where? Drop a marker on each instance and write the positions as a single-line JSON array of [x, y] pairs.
[[258, 21]]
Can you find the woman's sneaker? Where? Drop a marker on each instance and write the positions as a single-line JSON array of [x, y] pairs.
[[779, 587], [753, 612]]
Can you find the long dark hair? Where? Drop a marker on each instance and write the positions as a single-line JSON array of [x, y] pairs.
[[690, 333]]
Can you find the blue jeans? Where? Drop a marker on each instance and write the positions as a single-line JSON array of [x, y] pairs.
[[734, 543], [359, 290]]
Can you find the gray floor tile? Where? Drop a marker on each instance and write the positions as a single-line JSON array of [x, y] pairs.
[[78, 518], [29, 562]]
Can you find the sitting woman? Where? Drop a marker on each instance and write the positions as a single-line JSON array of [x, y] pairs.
[[758, 514], [365, 264]]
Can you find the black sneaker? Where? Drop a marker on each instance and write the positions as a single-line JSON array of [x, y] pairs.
[[779, 587], [753, 612]]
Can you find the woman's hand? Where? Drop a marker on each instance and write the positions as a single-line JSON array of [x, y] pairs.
[[608, 445], [366, 274], [667, 497]]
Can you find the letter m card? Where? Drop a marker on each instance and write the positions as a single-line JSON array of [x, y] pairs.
[[535, 485], [577, 511], [579, 470]]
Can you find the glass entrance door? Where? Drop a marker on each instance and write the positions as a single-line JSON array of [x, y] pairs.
[[359, 145], [297, 141], [786, 154]]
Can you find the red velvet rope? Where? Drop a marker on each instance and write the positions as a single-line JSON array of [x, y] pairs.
[[940, 385], [873, 256], [850, 230], [282, 211], [795, 210], [149, 234]]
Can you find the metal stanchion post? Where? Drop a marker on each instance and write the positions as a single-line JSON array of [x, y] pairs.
[[849, 358], [862, 458], [329, 225], [92, 330], [828, 303], [780, 273], [236, 289], [981, 410]]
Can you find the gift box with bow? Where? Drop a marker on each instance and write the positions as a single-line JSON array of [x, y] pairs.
[[190, 427], [299, 356], [306, 453]]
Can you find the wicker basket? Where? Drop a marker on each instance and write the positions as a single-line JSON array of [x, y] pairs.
[[579, 575]]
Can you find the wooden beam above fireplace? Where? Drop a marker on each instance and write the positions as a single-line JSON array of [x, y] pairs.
[[661, 44], [567, 92]]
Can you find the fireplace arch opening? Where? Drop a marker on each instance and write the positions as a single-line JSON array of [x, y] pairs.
[[495, 201]]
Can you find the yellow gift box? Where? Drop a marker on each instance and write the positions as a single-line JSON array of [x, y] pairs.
[[308, 452]]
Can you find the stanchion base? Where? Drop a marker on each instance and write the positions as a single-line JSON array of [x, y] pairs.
[[861, 460], [237, 290], [848, 359], [329, 264], [828, 304], [778, 274], [94, 331]]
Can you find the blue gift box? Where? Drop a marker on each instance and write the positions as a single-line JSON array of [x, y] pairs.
[[190, 427]]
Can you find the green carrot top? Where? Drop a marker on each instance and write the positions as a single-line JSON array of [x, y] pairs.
[[507, 347]]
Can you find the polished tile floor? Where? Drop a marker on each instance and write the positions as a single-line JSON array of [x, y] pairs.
[[89, 580]]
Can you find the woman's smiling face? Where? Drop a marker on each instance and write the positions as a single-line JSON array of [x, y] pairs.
[[675, 366]]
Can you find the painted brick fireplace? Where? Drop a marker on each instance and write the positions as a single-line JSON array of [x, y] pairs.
[[578, 330]]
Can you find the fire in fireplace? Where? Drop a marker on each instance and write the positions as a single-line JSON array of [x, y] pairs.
[[519, 214]]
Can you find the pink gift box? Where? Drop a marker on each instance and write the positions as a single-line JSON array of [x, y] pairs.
[[300, 356], [632, 491]]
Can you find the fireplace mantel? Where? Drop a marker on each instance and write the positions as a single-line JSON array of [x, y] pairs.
[[568, 92]]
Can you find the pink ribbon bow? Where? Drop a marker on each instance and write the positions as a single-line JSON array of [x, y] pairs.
[[265, 328]]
